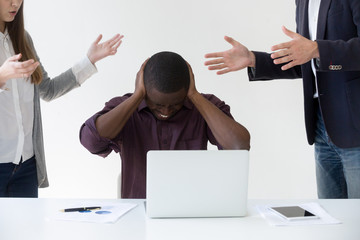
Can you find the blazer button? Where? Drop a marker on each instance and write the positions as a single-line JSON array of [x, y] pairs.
[[335, 67]]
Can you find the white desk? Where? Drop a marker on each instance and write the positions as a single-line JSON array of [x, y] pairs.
[[27, 219]]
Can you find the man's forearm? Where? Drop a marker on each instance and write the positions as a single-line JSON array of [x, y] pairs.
[[111, 123], [229, 133]]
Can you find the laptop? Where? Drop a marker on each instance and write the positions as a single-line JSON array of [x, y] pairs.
[[197, 183]]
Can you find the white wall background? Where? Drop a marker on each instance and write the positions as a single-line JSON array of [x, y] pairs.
[[282, 164]]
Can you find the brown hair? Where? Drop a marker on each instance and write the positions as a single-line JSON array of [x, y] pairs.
[[21, 45]]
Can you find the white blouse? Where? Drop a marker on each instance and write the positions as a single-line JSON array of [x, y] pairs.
[[17, 108], [313, 11]]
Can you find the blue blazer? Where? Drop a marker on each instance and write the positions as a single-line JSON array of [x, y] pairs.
[[338, 71]]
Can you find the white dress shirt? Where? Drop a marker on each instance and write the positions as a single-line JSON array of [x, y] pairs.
[[314, 6], [17, 108]]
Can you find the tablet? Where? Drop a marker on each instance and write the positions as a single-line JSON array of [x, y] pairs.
[[293, 213]]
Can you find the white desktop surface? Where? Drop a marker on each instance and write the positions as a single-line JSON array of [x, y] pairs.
[[27, 219]]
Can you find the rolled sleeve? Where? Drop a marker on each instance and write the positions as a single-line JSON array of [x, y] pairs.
[[224, 108], [93, 142]]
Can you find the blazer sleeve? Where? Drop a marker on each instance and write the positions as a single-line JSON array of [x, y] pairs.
[[341, 49], [265, 69]]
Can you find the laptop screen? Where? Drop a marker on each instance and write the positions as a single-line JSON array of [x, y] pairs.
[[197, 183]]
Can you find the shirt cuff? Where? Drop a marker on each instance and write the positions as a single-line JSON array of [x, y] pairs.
[[252, 71], [3, 88], [83, 70]]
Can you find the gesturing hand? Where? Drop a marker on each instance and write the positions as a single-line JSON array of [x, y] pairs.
[[234, 59], [12, 68], [296, 52], [98, 51]]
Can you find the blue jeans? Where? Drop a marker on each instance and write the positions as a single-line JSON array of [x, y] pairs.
[[19, 180], [337, 169]]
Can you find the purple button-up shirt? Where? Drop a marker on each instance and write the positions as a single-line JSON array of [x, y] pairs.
[[186, 130]]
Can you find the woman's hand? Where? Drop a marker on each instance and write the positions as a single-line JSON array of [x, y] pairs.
[[98, 51], [12, 68]]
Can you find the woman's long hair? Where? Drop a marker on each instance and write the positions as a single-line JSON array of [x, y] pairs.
[[16, 31]]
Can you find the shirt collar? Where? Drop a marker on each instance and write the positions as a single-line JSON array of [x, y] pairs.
[[5, 35], [187, 104]]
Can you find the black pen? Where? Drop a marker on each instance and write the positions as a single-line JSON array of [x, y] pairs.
[[79, 209]]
